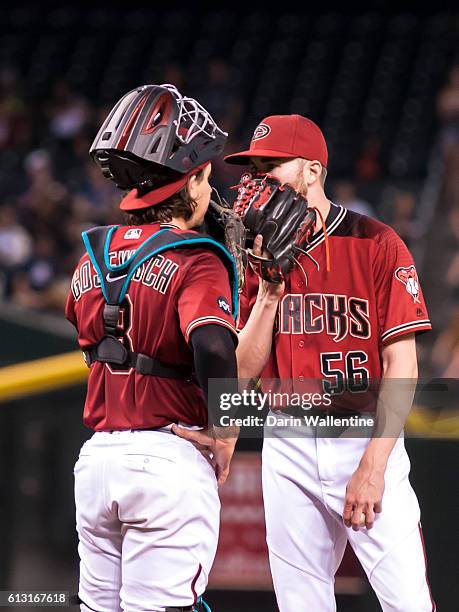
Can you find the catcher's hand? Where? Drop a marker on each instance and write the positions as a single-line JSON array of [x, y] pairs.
[[279, 214], [227, 227], [265, 288], [216, 444]]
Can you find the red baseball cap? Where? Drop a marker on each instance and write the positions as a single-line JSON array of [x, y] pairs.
[[285, 136], [134, 201]]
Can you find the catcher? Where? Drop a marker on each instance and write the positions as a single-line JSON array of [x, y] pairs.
[[154, 304], [337, 309]]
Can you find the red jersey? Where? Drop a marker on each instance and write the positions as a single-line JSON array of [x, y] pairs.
[[331, 326], [168, 297]]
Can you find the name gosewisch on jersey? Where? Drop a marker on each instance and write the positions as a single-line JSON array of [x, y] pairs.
[[156, 273]]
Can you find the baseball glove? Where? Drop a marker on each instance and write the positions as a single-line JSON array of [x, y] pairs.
[[227, 227], [281, 215]]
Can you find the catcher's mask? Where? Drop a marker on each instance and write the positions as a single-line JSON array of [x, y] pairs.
[[155, 125]]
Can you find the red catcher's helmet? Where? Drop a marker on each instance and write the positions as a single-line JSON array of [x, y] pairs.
[[155, 125]]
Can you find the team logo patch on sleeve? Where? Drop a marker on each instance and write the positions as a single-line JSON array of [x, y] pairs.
[[409, 277], [133, 234], [261, 131], [223, 304]]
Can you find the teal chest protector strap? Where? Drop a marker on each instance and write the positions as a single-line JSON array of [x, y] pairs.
[[114, 283]]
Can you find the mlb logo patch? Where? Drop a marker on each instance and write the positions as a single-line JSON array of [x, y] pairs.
[[133, 234], [223, 304]]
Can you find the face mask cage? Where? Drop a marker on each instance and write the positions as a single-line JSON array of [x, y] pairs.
[[193, 119]]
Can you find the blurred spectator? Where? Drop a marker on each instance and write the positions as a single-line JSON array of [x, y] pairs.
[[345, 194], [452, 274], [43, 201], [445, 352], [448, 116], [33, 286], [368, 163], [15, 241], [22, 294], [101, 195], [68, 112], [43, 265], [401, 215], [14, 123], [15, 247], [448, 111], [68, 115]]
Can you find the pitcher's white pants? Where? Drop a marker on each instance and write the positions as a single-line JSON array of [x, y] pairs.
[[304, 485], [147, 512]]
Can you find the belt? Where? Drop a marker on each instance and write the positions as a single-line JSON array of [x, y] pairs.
[[298, 411], [165, 429], [332, 428]]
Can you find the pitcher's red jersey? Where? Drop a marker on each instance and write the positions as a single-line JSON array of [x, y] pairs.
[[331, 325], [169, 296]]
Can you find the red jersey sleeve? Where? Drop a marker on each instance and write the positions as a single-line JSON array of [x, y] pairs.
[[70, 307], [204, 297], [400, 303], [247, 297]]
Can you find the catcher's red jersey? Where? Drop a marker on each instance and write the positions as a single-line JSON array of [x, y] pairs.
[[331, 325], [169, 296]]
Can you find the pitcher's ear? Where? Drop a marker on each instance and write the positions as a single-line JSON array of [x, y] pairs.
[[312, 172]]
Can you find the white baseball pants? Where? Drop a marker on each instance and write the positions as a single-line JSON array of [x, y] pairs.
[[304, 485], [147, 513]]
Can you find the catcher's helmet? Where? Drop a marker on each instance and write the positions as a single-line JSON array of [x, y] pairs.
[[155, 124]]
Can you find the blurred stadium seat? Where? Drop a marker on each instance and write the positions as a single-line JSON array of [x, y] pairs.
[[370, 79]]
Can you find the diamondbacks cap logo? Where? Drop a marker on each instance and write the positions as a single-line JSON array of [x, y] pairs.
[[409, 277], [133, 234], [261, 131]]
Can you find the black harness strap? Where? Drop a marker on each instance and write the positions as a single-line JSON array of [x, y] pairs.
[[114, 282], [143, 364]]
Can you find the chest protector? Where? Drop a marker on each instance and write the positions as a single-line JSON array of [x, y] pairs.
[[114, 283]]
